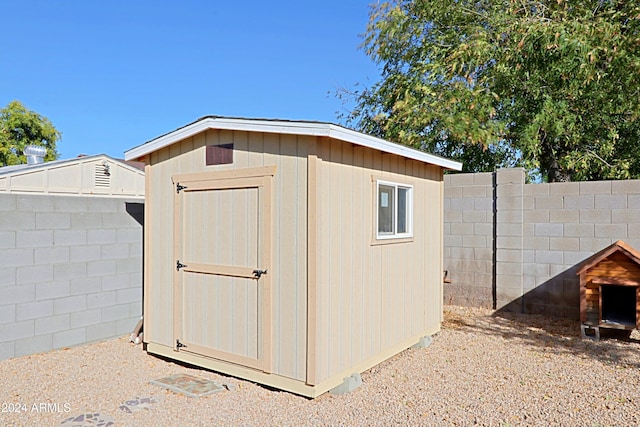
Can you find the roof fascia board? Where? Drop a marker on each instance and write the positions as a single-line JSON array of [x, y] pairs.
[[188, 131], [380, 144], [291, 128]]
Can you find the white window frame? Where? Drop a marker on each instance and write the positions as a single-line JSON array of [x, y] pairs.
[[409, 211]]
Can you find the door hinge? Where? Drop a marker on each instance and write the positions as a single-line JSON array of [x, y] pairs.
[[259, 273], [180, 187], [179, 345], [180, 265]]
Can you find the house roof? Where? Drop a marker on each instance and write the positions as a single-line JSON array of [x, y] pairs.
[[291, 127], [16, 169], [98, 175], [618, 246]]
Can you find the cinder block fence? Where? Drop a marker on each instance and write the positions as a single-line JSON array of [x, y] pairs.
[[70, 270], [515, 246]]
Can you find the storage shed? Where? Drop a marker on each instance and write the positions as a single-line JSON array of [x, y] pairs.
[[289, 253], [610, 289]]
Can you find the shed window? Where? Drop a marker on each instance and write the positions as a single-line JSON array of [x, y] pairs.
[[394, 206]]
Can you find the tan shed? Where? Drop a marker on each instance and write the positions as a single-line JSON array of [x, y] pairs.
[[293, 254]]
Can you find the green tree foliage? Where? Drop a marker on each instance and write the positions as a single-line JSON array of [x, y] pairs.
[[20, 127], [553, 86]]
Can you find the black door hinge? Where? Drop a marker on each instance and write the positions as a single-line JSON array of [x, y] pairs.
[[179, 345], [180, 187], [180, 265]]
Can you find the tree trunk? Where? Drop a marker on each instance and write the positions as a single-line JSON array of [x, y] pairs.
[[549, 162]]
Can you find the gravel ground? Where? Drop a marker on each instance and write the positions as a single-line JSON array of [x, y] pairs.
[[482, 369]]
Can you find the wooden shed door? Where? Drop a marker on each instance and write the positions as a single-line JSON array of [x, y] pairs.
[[222, 238]]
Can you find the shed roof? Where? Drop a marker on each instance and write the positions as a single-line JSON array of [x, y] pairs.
[[618, 246], [291, 127]]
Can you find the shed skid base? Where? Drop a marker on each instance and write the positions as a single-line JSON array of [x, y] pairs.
[[278, 381], [348, 385], [424, 342]]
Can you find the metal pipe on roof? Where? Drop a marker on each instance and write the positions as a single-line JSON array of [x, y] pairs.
[[35, 154]]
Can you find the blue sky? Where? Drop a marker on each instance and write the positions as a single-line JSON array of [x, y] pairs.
[[112, 75]]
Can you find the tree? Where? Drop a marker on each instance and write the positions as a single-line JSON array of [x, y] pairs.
[[20, 127], [549, 85]]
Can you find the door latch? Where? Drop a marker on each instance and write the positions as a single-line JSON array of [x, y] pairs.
[[259, 273]]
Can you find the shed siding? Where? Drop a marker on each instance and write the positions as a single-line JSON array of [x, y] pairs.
[[288, 271], [367, 303]]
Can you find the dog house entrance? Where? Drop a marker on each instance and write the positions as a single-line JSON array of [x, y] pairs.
[[619, 305]]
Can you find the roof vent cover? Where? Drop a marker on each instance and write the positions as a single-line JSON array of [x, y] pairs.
[[102, 177], [35, 154]]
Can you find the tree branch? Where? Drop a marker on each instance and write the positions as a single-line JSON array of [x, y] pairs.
[[594, 154]]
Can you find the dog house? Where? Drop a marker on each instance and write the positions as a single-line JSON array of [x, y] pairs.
[[609, 289], [293, 254]]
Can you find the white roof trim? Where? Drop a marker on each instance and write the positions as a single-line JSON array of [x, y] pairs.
[[290, 128]]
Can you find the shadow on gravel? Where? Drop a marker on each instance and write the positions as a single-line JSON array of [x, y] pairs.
[[547, 318], [555, 336]]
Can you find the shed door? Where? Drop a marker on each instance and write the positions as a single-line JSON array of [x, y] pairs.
[[222, 294]]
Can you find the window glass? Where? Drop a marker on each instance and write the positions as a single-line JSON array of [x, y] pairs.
[[385, 209], [402, 209]]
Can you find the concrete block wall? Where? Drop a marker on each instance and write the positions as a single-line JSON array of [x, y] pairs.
[[70, 270], [564, 224], [468, 239], [541, 233], [509, 235]]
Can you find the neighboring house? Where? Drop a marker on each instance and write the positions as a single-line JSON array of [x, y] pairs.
[[81, 176]]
